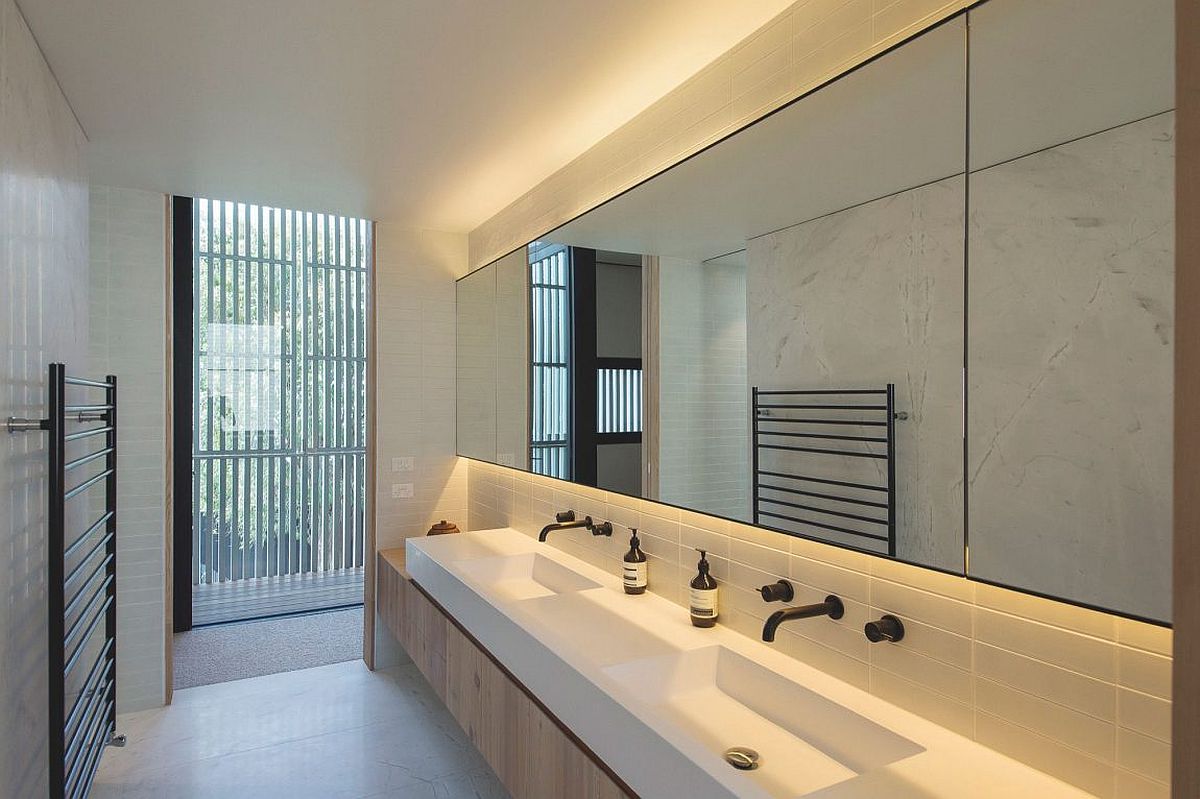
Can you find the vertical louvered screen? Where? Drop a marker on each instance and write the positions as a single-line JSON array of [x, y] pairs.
[[280, 367], [550, 337], [618, 400]]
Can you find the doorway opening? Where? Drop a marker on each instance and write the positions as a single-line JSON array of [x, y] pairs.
[[585, 333], [275, 341]]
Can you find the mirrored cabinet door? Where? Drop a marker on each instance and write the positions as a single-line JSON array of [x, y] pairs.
[[512, 361], [477, 365], [1070, 303]]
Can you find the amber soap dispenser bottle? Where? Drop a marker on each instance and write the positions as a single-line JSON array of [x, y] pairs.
[[634, 576], [702, 598]]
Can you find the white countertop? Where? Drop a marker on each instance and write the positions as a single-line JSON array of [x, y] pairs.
[[591, 655]]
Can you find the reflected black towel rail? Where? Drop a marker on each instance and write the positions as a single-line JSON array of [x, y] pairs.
[[783, 470], [81, 589]]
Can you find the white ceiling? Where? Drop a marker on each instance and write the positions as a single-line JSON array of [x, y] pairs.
[[434, 113]]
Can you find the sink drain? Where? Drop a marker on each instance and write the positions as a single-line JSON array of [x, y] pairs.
[[741, 757]]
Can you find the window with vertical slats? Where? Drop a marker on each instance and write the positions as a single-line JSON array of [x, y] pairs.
[[279, 369], [618, 400]]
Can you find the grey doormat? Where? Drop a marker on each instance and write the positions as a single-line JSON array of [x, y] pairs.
[[250, 649]]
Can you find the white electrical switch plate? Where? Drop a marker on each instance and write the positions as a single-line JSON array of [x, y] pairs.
[[402, 490]]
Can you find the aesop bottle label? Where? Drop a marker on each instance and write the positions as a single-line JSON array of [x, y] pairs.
[[635, 575], [703, 602]]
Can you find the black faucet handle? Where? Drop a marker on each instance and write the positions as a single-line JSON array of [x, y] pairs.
[[780, 591], [888, 628], [564, 516], [603, 528]]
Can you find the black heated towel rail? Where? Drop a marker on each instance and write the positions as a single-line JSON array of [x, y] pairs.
[[81, 584], [824, 464]]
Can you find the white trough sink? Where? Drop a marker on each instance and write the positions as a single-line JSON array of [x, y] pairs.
[[525, 576], [722, 699], [592, 632], [661, 701]]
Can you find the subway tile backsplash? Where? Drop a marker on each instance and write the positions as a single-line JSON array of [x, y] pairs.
[[1082, 695]]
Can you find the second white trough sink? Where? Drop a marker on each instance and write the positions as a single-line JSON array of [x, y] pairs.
[[722, 699]]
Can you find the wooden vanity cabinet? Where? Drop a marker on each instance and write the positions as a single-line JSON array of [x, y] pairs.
[[531, 751]]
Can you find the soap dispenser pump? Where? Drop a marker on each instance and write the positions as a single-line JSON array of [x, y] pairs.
[[702, 599], [635, 577]]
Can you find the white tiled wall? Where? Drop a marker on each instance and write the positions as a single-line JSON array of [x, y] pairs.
[[703, 401], [414, 390], [804, 46], [1080, 694], [128, 307], [43, 318]]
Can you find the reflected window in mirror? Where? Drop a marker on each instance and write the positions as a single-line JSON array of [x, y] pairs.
[[550, 365]]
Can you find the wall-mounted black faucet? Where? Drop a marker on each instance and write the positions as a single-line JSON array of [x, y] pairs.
[[831, 607], [888, 628], [566, 521]]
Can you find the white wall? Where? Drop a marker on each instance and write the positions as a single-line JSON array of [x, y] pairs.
[[414, 388], [128, 337], [618, 310], [43, 318]]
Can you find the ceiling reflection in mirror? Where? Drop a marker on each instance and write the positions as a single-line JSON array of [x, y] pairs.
[[773, 260]]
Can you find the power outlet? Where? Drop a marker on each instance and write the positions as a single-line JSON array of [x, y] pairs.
[[402, 490], [403, 464]]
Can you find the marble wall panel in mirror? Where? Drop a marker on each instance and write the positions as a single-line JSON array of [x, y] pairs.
[[874, 295], [1071, 300]]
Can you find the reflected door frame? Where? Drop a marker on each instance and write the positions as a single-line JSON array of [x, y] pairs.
[[583, 365]]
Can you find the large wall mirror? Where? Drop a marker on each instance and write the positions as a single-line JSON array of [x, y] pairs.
[[924, 312]]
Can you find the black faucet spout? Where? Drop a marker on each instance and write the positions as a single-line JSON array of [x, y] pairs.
[[831, 607], [586, 521]]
